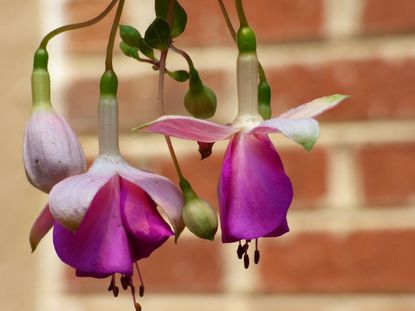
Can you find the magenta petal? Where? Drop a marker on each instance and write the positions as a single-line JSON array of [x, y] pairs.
[[254, 191], [43, 223], [161, 190], [100, 246], [146, 229], [189, 128]]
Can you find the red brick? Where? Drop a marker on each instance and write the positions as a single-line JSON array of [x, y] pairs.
[[190, 266], [93, 38], [379, 89], [362, 262], [385, 16], [272, 20], [137, 99], [307, 171], [388, 173]]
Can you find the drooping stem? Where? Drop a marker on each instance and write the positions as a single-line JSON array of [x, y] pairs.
[[184, 54], [87, 23], [227, 19], [111, 39], [241, 13], [162, 70]]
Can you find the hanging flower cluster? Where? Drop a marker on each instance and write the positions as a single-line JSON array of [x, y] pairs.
[[109, 217]]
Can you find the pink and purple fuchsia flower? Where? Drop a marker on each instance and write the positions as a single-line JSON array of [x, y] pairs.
[[106, 219], [254, 192]]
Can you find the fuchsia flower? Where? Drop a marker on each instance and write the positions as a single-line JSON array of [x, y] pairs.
[[51, 150], [107, 218], [254, 192]]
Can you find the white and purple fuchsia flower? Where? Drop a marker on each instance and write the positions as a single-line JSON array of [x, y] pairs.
[[254, 192], [107, 218]]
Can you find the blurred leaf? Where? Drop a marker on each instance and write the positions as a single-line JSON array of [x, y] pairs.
[[145, 49], [157, 35], [130, 35], [129, 50], [179, 75], [179, 16]]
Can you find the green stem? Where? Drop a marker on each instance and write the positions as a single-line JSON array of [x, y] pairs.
[[227, 19], [87, 23], [241, 13], [185, 55], [162, 70], [111, 39]]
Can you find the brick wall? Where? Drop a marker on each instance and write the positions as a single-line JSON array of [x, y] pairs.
[[351, 245]]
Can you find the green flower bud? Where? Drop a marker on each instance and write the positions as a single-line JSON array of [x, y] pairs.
[[264, 100], [200, 218], [197, 214], [246, 40], [199, 101], [130, 35]]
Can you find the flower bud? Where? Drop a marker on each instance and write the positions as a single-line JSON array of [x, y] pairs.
[[200, 101], [200, 218], [51, 150], [197, 214], [264, 100]]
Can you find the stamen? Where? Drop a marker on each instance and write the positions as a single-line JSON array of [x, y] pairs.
[[124, 282], [246, 261], [256, 254], [141, 288], [114, 288], [240, 250], [137, 306]]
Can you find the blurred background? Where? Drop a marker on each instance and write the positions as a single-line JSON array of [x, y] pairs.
[[352, 240]]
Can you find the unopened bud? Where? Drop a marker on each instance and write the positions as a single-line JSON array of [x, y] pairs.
[[198, 215], [199, 101], [264, 100]]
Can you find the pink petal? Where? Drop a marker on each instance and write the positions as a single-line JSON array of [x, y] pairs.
[[161, 190], [70, 199], [188, 128], [100, 246], [303, 131], [254, 191], [146, 228], [314, 108], [43, 223]]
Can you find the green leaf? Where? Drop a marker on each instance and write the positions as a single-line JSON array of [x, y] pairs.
[[129, 50], [145, 49], [179, 16], [130, 35], [157, 35], [179, 75]]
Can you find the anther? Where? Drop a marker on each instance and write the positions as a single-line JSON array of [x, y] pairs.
[[141, 289], [240, 250], [115, 291], [256, 254], [246, 261], [124, 282], [137, 306]]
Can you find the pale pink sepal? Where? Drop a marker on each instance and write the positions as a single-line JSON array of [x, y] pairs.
[[161, 190], [314, 108], [303, 131], [43, 223], [188, 128], [70, 199]]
